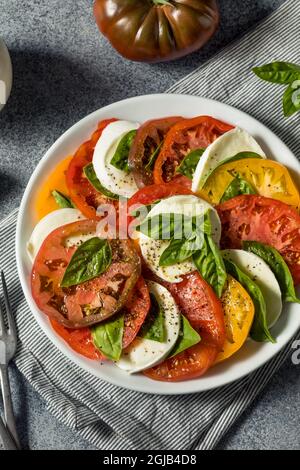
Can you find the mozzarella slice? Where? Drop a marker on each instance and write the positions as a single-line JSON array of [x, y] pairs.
[[261, 274], [153, 249], [145, 353], [227, 145], [49, 223], [117, 181]]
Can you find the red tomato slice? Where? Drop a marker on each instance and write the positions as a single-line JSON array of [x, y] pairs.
[[92, 301], [148, 139], [187, 135], [198, 302], [80, 340], [136, 310], [265, 220], [86, 198]]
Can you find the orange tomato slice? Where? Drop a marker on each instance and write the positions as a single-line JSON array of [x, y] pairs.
[[239, 313]]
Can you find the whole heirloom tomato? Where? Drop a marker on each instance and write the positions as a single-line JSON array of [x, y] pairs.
[[156, 30]]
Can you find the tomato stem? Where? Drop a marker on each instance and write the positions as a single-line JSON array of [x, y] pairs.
[[162, 2]]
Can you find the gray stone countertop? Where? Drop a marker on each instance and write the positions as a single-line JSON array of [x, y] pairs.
[[63, 70]]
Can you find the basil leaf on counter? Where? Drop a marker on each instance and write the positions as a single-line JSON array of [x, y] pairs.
[[154, 326], [279, 267], [153, 157], [188, 165], [259, 330], [291, 98], [210, 265], [91, 259], [188, 337], [61, 200], [120, 158], [180, 250], [278, 72], [92, 177], [108, 337], [237, 187]]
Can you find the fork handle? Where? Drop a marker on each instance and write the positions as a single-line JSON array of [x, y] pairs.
[[7, 440], [7, 403]]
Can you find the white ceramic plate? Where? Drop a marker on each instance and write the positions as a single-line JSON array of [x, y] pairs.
[[252, 355], [5, 74]]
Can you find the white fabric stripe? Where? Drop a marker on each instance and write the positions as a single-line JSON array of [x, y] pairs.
[[113, 418]]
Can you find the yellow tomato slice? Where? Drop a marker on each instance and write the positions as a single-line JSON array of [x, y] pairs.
[[239, 313], [269, 178], [45, 202]]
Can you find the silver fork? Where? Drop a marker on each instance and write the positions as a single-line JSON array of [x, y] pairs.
[[8, 347]]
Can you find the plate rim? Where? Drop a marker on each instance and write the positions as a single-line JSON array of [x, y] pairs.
[[62, 346]]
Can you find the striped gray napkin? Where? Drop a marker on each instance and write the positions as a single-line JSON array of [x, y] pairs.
[[112, 418]]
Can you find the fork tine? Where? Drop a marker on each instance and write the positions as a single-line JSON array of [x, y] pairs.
[[10, 319], [2, 324]]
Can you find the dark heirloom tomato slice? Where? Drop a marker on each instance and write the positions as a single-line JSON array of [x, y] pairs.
[[265, 220], [92, 301], [79, 339], [136, 310], [86, 198], [198, 302], [147, 141], [188, 135]]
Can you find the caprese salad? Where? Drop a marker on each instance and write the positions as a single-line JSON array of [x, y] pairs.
[[162, 246]]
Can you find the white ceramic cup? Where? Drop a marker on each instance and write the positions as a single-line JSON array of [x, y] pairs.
[[5, 74]]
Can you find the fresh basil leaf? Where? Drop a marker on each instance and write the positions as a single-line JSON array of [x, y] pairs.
[[180, 250], [210, 265], [91, 259], [278, 72], [120, 158], [108, 337], [61, 200], [188, 165], [279, 267], [167, 226], [92, 177], [188, 337], [237, 187], [153, 157], [259, 330], [154, 326], [291, 98]]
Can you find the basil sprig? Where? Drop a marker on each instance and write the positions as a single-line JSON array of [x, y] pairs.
[[120, 158], [259, 330], [190, 236], [108, 337], [92, 258], [154, 326], [188, 165], [61, 200], [237, 187], [291, 98], [279, 267], [278, 72], [187, 338], [283, 73], [92, 177]]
